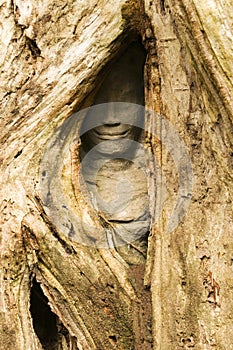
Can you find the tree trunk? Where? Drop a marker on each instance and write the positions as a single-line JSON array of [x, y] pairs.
[[59, 293]]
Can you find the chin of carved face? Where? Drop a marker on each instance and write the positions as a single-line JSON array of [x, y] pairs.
[[112, 148]]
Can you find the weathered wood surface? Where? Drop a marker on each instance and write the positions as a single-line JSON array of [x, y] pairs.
[[51, 55]]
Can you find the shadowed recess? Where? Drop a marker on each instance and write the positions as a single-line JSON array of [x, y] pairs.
[[44, 320]]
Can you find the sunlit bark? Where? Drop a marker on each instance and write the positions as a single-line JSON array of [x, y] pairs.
[[53, 55]]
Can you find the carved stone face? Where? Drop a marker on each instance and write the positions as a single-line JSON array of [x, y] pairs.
[[118, 122]]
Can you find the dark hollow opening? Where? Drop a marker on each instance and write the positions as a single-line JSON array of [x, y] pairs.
[[113, 338], [44, 320]]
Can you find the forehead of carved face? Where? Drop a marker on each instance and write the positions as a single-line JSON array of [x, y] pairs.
[[123, 83], [125, 80]]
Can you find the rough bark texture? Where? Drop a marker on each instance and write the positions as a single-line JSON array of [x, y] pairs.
[[52, 56]]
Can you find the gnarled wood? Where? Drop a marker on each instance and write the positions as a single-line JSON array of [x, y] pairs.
[[53, 55]]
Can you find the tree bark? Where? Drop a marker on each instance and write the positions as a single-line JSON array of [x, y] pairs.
[[53, 56]]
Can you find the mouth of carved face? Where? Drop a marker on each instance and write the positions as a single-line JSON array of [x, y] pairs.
[[112, 132], [111, 138]]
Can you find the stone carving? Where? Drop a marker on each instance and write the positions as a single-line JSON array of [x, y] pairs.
[[113, 158]]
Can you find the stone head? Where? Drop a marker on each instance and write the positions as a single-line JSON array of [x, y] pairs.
[[121, 95]]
